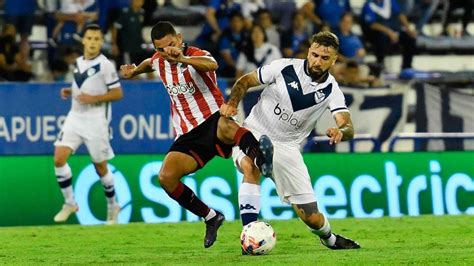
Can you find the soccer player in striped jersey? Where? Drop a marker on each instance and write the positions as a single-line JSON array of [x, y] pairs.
[[95, 85], [188, 74], [298, 92]]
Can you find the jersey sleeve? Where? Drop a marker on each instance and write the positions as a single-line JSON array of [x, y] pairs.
[[199, 52], [337, 101], [268, 73], [110, 75]]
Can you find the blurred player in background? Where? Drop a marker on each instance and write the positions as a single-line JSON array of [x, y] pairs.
[[188, 74], [297, 94], [95, 85]]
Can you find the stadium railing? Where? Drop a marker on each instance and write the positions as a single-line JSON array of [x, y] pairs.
[[352, 142], [418, 137]]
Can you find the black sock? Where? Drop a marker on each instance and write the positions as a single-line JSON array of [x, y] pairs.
[[186, 198]]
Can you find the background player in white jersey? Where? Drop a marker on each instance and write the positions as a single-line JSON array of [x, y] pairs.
[[188, 74], [297, 94], [95, 85]]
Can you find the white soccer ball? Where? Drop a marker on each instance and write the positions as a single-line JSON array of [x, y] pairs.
[[258, 238]]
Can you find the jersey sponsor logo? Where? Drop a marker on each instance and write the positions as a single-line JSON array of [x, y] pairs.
[[180, 88], [79, 77], [294, 85], [286, 116]]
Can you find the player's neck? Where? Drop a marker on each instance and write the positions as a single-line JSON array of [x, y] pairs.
[[88, 56]]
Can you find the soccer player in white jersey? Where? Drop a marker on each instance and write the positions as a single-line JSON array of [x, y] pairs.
[[298, 92], [96, 84], [188, 74]]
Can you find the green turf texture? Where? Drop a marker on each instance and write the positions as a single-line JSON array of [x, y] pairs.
[[406, 240]]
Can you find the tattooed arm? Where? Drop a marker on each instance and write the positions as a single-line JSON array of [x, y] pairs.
[[344, 129], [238, 92]]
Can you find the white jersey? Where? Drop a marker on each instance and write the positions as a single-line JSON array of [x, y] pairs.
[[290, 106], [94, 77]]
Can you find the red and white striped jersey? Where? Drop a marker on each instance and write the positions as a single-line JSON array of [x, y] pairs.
[[194, 95]]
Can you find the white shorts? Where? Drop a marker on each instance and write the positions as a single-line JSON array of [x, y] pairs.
[[92, 131], [290, 174]]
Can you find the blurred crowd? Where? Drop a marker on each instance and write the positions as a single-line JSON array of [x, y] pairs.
[[241, 35]]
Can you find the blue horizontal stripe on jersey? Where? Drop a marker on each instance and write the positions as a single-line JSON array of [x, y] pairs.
[[259, 70], [337, 109], [112, 83]]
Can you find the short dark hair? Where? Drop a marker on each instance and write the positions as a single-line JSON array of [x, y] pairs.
[[161, 29], [92, 27], [327, 39]]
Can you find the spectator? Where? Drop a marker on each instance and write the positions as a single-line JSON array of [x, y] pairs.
[[350, 73], [71, 18], [299, 32], [217, 20], [466, 5], [384, 26], [21, 15], [109, 11], [62, 65], [326, 12], [350, 46], [264, 19], [423, 10], [231, 44], [127, 39], [257, 52], [249, 8], [283, 12], [13, 65]]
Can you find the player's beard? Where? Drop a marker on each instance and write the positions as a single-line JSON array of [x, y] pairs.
[[316, 76]]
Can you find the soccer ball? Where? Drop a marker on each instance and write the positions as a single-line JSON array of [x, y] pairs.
[[257, 238]]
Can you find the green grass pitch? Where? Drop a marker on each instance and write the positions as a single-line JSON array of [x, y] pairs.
[[407, 240]]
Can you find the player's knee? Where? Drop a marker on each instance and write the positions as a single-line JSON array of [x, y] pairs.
[[166, 179], [101, 170], [59, 161], [226, 130]]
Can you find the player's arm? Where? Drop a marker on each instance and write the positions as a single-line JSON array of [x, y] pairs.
[[114, 94], [200, 63], [238, 92], [130, 71], [343, 131]]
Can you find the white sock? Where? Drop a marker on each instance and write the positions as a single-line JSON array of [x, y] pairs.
[[64, 178], [249, 202], [212, 213], [108, 184], [324, 233]]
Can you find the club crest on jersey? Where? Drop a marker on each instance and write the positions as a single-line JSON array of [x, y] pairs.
[[180, 88], [90, 72]]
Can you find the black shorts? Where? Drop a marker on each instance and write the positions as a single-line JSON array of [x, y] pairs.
[[202, 143]]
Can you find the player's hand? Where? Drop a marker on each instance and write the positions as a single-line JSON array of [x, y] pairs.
[[228, 110], [172, 54], [334, 134], [85, 98], [127, 70], [393, 36], [65, 93]]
